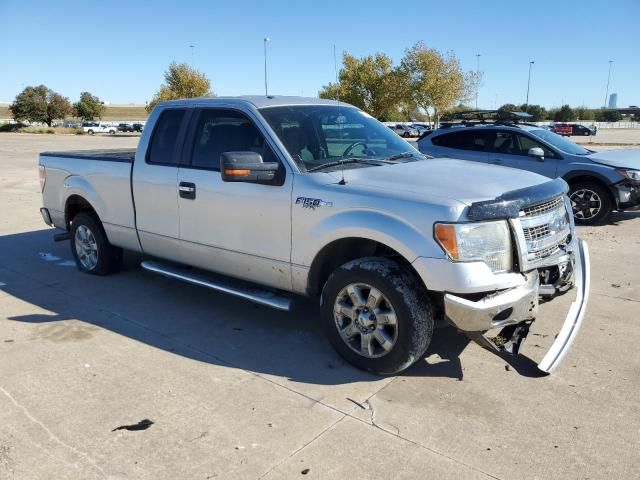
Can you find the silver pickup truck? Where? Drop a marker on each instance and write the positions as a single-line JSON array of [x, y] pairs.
[[264, 197]]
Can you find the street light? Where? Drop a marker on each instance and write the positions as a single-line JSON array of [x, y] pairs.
[[606, 93], [529, 81], [477, 79], [192, 47], [266, 90]]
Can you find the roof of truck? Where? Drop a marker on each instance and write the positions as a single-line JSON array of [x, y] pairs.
[[259, 101]]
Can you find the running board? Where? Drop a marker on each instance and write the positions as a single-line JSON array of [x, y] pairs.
[[261, 297]]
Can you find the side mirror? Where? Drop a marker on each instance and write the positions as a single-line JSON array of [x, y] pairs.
[[536, 152], [246, 167]]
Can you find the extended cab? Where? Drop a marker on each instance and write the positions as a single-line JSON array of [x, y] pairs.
[[286, 195]]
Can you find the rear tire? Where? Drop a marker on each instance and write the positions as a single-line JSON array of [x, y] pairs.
[[591, 203], [90, 247], [390, 323], [90, 132]]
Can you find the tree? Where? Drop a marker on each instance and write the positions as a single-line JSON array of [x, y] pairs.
[[606, 115], [181, 81], [89, 107], [508, 108], [40, 104], [584, 113], [370, 83], [565, 114], [434, 80], [537, 112]]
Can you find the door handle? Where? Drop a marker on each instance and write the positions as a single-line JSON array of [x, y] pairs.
[[187, 190]]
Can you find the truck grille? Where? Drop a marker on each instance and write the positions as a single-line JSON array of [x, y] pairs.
[[546, 229]]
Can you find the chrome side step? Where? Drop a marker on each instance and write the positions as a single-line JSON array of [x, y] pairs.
[[261, 297]]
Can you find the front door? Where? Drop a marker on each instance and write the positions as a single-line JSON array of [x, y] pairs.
[[511, 149], [234, 228]]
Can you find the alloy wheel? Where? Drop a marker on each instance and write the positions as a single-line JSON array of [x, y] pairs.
[[86, 247], [586, 204]]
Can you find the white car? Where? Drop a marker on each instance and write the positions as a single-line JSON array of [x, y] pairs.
[[98, 127]]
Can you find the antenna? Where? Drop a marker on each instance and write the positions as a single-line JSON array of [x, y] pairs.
[[335, 67]]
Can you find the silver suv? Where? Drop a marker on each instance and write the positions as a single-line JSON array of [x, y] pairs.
[[599, 182]]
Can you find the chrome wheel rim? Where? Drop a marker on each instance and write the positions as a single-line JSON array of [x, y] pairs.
[[366, 320], [86, 247], [586, 204]]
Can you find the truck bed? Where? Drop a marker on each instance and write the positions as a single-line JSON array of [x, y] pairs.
[[124, 155]]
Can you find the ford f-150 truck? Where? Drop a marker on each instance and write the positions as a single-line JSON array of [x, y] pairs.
[[272, 196]]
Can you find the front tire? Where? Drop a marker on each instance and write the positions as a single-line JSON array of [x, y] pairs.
[[90, 247], [376, 314], [90, 132], [591, 203]]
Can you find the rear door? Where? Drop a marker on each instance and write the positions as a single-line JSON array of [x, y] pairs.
[[511, 149], [155, 185], [234, 228], [463, 143]]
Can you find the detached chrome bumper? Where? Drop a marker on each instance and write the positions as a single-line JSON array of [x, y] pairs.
[[520, 304]]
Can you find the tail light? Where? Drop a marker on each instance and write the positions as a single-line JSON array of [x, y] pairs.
[[42, 173]]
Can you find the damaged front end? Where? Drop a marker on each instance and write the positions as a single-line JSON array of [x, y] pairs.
[[552, 261]]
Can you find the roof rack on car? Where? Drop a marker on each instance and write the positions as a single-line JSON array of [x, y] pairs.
[[494, 117]]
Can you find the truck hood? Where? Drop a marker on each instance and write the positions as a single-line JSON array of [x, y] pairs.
[[460, 180], [625, 158]]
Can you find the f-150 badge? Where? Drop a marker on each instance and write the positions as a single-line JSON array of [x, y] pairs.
[[312, 203]]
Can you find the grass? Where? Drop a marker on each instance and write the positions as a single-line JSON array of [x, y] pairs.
[[17, 128], [113, 112]]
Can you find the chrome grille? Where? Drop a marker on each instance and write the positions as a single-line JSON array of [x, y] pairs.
[[542, 208], [546, 228]]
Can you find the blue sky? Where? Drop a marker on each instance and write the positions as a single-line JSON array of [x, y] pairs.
[[119, 50]]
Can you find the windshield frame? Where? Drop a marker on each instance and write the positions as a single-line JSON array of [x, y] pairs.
[[380, 130], [558, 141]]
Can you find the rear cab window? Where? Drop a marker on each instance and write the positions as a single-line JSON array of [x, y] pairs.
[[163, 148]]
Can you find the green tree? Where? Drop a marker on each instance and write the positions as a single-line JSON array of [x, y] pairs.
[[584, 113], [433, 80], [508, 108], [538, 113], [370, 83], [565, 114], [606, 115], [40, 104], [89, 107], [181, 81]]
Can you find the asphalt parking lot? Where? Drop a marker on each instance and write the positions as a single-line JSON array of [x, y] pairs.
[[138, 376]]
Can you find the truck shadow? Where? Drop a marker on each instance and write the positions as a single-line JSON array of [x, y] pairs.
[[187, 320]]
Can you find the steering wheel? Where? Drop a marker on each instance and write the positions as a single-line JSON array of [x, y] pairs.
[[347, 151]]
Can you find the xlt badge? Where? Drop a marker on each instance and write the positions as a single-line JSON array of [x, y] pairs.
[[312, 203]]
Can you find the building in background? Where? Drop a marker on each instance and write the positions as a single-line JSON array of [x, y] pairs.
[[613, 100]]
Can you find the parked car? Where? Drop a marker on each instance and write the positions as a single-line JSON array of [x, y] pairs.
[[255, 188], [599, 182], [405, 131], [125, 127], [563, 129], [138, 127], [421, 128], [98, 127], [581, 130]]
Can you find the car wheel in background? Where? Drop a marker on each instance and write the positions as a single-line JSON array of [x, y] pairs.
[[90, 132], [90, 247], [112, 132], [591, 202], [406, 135], [377, 315]]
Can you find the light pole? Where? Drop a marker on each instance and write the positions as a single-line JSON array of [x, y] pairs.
[[192, 47], [529, 81], [266, 90], [606, 93], [477, 79]]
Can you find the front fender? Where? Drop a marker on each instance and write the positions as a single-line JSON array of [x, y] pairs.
[[374, 225]]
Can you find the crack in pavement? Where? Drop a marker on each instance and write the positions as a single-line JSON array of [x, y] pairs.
[[52, 436]]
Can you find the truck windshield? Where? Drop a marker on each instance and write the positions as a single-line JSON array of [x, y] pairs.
[[560, 143], [315, 135]]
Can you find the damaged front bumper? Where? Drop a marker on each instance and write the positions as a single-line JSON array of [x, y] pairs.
[[519, 305]]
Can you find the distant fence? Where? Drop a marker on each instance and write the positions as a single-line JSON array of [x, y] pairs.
[[65, 123], [586, 123]]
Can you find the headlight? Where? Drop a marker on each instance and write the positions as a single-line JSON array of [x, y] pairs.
[[489, 242], [629, 174]]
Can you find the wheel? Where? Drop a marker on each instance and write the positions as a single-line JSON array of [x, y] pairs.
[[590, 201], [90, 247], [586, 134], [90, 132], [376, 315], [406, 135], [112, 132]]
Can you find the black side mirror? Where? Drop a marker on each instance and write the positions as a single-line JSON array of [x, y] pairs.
[[246, 167]]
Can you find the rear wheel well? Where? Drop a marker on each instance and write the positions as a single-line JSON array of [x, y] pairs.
[[76, 204], [344, 250]]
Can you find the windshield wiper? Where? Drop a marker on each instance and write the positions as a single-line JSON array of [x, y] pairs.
[[398, 156], [345, 161]]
